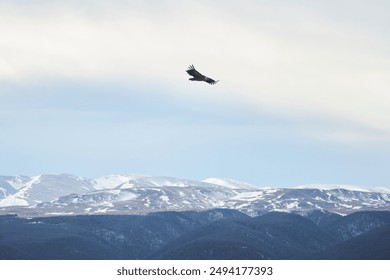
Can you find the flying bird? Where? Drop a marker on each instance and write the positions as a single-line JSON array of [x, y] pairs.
[[199, 77]]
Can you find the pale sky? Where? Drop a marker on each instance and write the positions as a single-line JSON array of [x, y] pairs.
[[99, 87]]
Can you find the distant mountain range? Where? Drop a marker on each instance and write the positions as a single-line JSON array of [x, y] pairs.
[[62, 216], [65, 194]]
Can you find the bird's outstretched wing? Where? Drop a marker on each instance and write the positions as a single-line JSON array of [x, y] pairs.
[[193, 72], [210, 81]]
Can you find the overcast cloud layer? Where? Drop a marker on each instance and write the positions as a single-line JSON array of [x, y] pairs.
[[317, 73]]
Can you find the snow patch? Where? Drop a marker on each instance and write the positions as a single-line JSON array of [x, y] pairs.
[[248, 196], [17, 183], [13, 201], [59, 213], [113, 181], [292, 205], [334, 187], [229, 183]]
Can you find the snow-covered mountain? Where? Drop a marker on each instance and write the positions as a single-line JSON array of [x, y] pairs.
[[10, 184], [26, 191], [64, 194]]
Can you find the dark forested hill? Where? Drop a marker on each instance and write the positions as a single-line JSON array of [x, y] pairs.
[[212, 234]]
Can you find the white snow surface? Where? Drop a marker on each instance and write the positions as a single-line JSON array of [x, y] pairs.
[[23, 192], [344, 187], [17, 182], [230, 183], [113, 181], [20, 198], [132, 181], [13, 201]]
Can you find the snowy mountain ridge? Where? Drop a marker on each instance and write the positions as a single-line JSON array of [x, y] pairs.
[[65, 194]]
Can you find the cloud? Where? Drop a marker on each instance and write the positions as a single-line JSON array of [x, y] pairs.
[[297, 61]]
